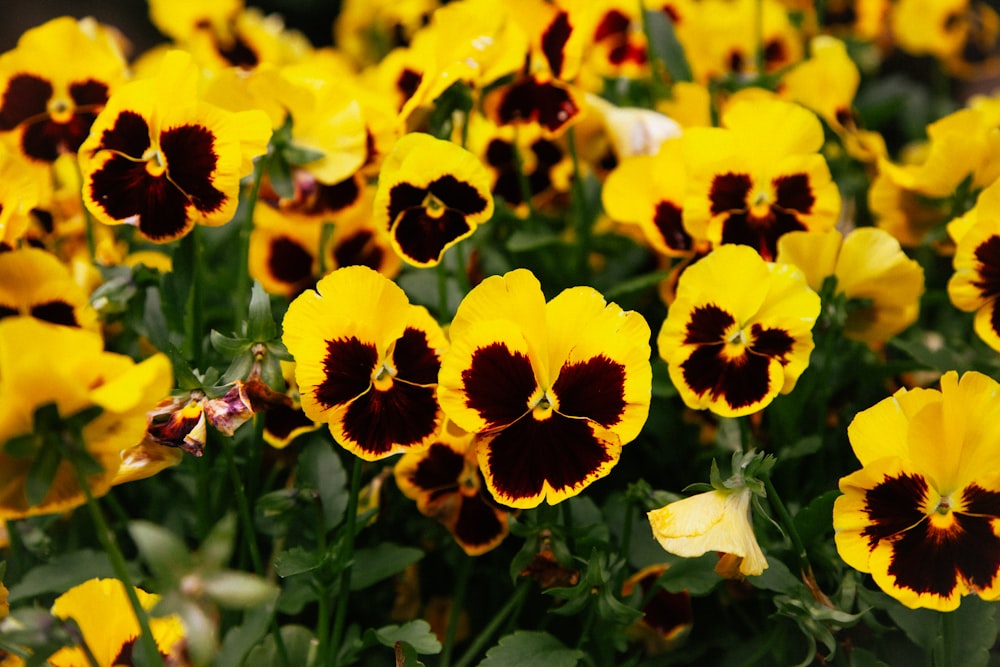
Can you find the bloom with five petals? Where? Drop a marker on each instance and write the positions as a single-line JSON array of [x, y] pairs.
[[431, 195], [922, 512], [161, 159], [367, 362], [552, 390], [739, 331]]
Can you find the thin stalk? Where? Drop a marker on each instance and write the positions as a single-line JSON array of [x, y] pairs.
[[241, 505], [657, 89], [944, 647], [120, 567], [85, 647], [457, 601], [788, 523], [581, 217], [522, 177], [442, 283], [347, 554], [194, 333], [323, 594], [510, 608], [242, 288]]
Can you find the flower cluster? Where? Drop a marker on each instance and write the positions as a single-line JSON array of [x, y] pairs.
[[372, 323]]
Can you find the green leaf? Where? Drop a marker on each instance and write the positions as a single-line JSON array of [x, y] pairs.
[[320, 468], [226, 346], [280, 174], [815, 520], [972, 626], [165, 553], [697, 576], [299, 155], [296, 561], [300, 648], [778, 578], [217, 549], [415, 633], [665, 45], [377, 563], [636, 284], [531, 649], [239, 590], [41, 473], [524, 240], [240, 640], [62, 573], [260, 322]]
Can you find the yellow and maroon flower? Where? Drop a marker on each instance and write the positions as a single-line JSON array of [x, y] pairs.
[[759, 176], [162, 160], [34, 283], [431, 195], [738, 332], [366, 362], [552, 390], [111, 634], [920, 515], [54, 83], [448, 486], [975, 285], [667, 617]]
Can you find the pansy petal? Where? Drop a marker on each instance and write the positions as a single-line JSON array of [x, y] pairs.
[[382, 422], [881, 430], [548, 459], [487, 378]]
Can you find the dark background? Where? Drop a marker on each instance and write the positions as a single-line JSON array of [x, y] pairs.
[[131, 17]]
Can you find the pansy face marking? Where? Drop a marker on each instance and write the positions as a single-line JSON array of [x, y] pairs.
[[739, 331], [552, 390], [431, 195], [366, 362]]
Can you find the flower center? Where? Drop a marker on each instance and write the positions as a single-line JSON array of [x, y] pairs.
[[760, 205], [435, 207], [382, 376], [155, 164], [543, 406], [60, 110]]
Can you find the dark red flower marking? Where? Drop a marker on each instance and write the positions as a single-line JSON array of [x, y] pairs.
[[729, 194], [407, 84], [127, 191], [8, 311], [26, 97], [593, 389], [528, 100], [25, 102], [615, 28], [421, 232], [554, 41], [289, 262], [404, 414], [347, 370], [559, 450], [507, 185], [280, 421], [498, 384], [987, 254], [669, 221], [740, 380], [927, 559], [438, 472], [415, 360], [359, 249], [477, 523], [56, 312]]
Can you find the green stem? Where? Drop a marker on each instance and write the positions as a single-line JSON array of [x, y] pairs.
[[581, 215], [194, 333], [457, 601], [442, 283], [347, 554], [510, 608], [120, 568], [241, 505], [85, 647], [242, 295], [522, 177], [944, 647], [323, 594], [787, 522], [657, 89]]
